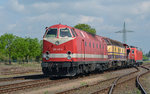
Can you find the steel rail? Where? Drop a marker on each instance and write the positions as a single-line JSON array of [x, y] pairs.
[[96, 92], [115, 82], [30, 84], [138, 84], [22, 77]]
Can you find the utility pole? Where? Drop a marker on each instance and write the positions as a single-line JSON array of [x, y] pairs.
[[124, 31]]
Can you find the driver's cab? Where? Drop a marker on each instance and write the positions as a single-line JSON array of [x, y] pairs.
[[59, 33]]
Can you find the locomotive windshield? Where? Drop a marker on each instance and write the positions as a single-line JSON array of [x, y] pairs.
[[52, 33], [65, 33]]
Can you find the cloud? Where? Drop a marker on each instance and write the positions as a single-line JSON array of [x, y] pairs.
[[44, 7], [89, 19], [143, 7], [14, 4], [30, 17], [11, 26], [1, 7]]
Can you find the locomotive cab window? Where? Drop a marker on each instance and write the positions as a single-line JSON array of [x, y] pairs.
[[65, 33], [73, 32], [93, 45], [97, 45], [51, 33], [90, 44], [133, 51], [85, 43]]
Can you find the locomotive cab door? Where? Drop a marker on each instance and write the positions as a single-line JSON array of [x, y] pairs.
[[83, 50]]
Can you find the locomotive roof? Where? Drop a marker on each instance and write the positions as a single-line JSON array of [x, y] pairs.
[[96, 37], [59, 26], [113, 42]]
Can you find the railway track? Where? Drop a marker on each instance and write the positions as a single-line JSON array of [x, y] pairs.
[[138, 84], [28, 85], [101, 87], [46, 82], [37, 76], [35, 83], [105, 87], [110, 89], [118, 81]]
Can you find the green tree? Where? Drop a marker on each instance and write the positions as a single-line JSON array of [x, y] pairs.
[[6, 41], [34, 48], [15, 48], [145, 58], [86, 27], [20, 48]]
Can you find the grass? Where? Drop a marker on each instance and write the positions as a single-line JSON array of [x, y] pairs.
[[83, 83], [14, 67], [146, 61], [46, 92], [30, 64], [138, 92]]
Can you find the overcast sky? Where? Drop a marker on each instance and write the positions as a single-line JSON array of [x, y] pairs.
[[28, 18]]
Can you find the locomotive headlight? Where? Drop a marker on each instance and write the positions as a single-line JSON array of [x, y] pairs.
[[69, 52], [46, 55], [57, 42], [47, 52], [69, 57]]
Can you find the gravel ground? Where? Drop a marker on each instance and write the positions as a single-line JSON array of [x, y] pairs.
[[145, 81], [59, 87], [12, 82], [19, 69], [127, 88], [130, 86]]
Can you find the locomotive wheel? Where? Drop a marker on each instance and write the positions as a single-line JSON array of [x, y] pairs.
[[73, 71], [85, 68]]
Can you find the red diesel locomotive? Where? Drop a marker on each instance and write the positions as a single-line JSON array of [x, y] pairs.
[[68, 51], [135, 55]]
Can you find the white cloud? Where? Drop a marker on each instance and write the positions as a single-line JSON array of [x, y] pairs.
[[43, 7], [1, 7], [16, 6], [109, 28], [128, 20], [145, 6], [106, 16], [142, 8], [11, 26], [89, 19]]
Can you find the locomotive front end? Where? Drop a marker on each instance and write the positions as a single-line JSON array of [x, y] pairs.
[[58, 48]]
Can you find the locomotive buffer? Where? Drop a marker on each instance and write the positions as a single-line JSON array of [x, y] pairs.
[[124, 31]]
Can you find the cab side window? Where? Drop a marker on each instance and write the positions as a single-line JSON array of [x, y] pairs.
[[132, 51], [73, 33]]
